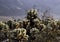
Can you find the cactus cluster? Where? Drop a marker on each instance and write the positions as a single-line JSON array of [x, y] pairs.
[[30, 29]]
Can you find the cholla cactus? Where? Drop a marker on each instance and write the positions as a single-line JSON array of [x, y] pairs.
[[4, 29], [32, 14], [25, 23], [1, 25], [16, 24], [23, 33], [10, 24], [19, 34], [36, 35], [42, 27], [36, 21], [34, 30], [20, 24], [48, 20], [32, 11], [52, 25], [58, 24]]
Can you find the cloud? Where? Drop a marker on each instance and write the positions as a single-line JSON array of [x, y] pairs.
[[20, 2], [18, 8]]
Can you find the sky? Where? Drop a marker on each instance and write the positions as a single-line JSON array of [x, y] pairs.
[[20, 7]]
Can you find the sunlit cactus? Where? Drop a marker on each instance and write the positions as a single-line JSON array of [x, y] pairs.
[[4, 27], [32, 14], [19, 34]]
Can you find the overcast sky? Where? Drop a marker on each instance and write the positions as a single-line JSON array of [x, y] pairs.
[[19, 7]]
